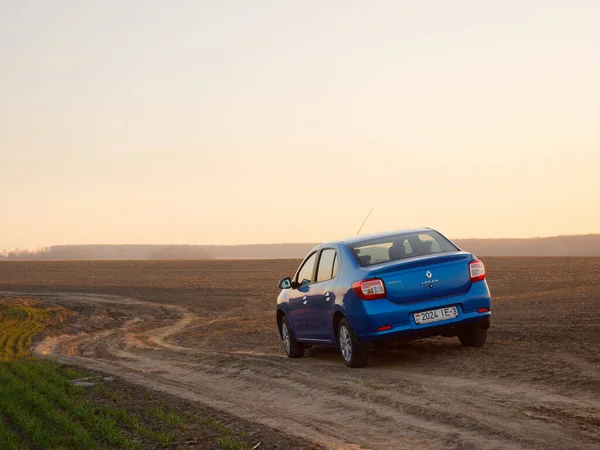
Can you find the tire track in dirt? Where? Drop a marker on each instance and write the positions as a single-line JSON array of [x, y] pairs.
[[317, 398]]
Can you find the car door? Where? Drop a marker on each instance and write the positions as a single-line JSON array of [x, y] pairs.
[[299, 309], [322, 297]]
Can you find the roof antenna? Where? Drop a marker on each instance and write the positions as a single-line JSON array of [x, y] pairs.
[[365, 221]]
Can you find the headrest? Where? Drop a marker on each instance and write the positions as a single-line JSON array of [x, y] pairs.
[[397, 251], [365, 260], [426, 246], [421, 247]]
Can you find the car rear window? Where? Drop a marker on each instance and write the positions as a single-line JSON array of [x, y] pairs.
[[401, 246]]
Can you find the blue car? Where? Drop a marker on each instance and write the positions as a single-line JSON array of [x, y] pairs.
[[404, 285]]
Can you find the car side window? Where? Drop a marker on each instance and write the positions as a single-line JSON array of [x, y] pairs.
[[335, 266], [306, 271], [326, 265]]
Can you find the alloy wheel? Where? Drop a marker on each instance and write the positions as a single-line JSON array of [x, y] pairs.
[[285, 336], [345, 343]]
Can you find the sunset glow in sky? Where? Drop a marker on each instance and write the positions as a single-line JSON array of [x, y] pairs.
[[204, 122]]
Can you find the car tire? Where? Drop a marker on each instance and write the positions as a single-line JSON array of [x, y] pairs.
[[292, 347], [473, 336], [353, 352]]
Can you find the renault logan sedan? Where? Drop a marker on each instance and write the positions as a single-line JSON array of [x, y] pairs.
[[404, 285]]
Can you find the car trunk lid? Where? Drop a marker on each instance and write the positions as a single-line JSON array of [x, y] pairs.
[[425, 278]]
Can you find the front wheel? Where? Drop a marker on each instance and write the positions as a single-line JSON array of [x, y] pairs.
[[473, 336], [292, 347], [353, 352]]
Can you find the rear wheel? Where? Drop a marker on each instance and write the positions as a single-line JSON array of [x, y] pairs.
[[353, 352], [473, 336], [292, 347]]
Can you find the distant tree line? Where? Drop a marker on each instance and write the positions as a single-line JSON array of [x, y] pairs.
[[112, 252], [581, 245], [574, 245]]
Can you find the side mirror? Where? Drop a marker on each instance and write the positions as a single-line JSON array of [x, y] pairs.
[[285, 283]]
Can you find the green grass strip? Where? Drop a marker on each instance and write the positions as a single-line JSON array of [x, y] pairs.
[[38, 418], [55, 388]]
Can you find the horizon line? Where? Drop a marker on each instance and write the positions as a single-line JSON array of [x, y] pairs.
[[303, 243]]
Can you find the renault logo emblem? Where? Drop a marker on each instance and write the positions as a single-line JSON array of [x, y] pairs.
[[429, 280]]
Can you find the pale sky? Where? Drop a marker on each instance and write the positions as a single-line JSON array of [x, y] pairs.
[[227, 122]]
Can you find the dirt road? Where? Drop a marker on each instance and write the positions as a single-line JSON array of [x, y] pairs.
[[536, 384]]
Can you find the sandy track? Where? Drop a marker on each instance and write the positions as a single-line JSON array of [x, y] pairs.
[[428, 395]]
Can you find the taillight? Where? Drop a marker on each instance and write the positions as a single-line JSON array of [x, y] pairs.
[[371, 289], [476, 270]]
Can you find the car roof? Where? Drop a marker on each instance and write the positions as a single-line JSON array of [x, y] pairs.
[[366, 237]]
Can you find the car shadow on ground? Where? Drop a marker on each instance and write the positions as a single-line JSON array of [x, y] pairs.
[[425, 351]]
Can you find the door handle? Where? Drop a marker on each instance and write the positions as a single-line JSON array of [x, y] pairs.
[[327, 296]]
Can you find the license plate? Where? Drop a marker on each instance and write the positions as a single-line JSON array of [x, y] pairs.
[[435, 315]]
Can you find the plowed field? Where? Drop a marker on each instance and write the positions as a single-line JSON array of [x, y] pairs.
[[205, 331]]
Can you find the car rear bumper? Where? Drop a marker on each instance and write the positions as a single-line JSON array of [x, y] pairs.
[[400, 317], [408, 333]]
